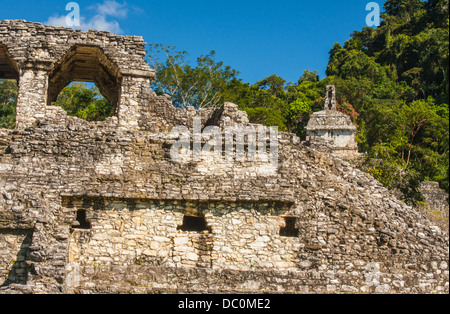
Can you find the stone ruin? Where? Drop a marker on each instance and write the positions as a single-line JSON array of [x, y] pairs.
[[100, 207], [332, 130], [435, 205]]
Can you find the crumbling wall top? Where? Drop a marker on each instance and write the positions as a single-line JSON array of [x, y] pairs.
[[329, 118], [29, 42], [44, 59]]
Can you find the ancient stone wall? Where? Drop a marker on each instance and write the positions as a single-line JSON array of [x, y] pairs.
[[14, 245], [184, 234], [135, 199], [47, 58], [436, 198], [104, 208], [435, 206]]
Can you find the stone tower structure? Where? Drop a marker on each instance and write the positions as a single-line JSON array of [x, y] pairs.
[[332, 129], [102, 207]]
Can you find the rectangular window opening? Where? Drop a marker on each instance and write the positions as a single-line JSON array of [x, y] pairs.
[[81, 221], [290, 230], [195, 224]]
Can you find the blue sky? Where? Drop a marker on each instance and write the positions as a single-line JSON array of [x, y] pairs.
[[256, 37]]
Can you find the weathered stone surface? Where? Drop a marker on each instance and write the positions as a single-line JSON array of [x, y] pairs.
[[101, 207], [332, 130], [435, 205]]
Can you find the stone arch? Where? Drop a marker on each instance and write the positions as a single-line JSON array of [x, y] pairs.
[[86, 64], [8, 66]]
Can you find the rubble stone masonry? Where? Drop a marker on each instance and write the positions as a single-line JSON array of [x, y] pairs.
[[101, 207]]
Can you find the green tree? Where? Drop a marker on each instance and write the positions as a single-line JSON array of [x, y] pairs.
[[395, 76], [201, 86], [305, 98], [86, 103], [403, 8], [8, 101], [274, 84], [261, 106], [309, 76]]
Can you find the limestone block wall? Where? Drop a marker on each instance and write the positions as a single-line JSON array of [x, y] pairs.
[[436, 198], [45, 59], [336, 138], [14, 245], [158, 233], [143, 280], [135, 199], [104, 208]]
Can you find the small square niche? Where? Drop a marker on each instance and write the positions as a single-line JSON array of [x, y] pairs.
[[194, 224], [290, 230], [81, 221]]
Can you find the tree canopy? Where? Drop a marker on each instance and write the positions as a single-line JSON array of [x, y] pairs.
[[396, 78], [199, 86], [84, 102]]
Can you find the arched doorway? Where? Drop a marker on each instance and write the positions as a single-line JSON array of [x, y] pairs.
[[85, 64]]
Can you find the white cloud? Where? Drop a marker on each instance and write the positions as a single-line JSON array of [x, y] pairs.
[[112, 8], [56, 20], [100, 21]]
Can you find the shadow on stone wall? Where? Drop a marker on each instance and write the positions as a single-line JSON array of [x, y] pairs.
[[18, 274]]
